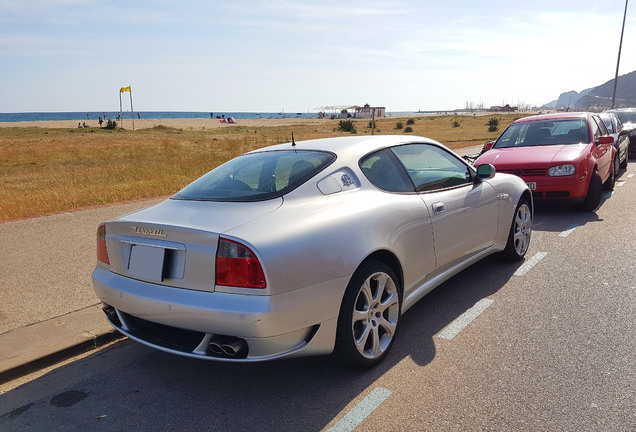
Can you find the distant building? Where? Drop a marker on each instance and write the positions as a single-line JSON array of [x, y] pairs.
[[506, 108], [367, 112], [349, 111]]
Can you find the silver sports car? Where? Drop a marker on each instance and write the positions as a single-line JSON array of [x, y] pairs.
[[305, 248]]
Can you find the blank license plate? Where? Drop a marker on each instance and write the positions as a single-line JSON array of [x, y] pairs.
[[146, 262], [532, 185]]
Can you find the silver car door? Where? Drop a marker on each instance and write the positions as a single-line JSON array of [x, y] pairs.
[[463, 212]]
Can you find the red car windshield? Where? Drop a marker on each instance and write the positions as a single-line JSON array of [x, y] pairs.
[[544, 132]]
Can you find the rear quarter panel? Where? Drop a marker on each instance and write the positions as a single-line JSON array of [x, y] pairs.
[[314, 239]]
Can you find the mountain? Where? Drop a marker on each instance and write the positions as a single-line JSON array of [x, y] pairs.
[[600, 97]]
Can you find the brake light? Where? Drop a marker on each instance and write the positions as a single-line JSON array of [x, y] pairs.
[[237, 266], [102, 253]]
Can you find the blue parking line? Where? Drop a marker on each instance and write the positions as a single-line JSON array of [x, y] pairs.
[[464, 319], [361, 411]]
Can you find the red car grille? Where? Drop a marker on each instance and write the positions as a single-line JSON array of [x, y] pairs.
[[526, 172]]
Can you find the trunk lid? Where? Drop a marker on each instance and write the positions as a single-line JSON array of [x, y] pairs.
[[174, 242]]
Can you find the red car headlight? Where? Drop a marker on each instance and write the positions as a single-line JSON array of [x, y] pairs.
[[561, 170]]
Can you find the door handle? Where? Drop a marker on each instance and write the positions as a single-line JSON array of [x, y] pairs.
[[438, 207]]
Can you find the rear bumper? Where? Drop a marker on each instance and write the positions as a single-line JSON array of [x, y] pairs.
[[293, 324]]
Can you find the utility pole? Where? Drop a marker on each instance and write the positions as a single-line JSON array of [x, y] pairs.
[[620, 45]]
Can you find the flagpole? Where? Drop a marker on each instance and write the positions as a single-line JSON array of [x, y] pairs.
[[132, 111], [120, 118]]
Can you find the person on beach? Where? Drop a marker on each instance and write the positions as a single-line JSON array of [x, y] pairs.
[[100, 122], [138, 116]]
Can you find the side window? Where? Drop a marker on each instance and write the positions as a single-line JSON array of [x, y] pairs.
[[385, 172], [598, 127], [432, 168], [595, 129]]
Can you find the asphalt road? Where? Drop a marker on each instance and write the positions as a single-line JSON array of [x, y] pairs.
[[46, 264], [553, 347]]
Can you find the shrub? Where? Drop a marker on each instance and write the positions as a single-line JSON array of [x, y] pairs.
[[110, 124], [410, 121], [408, 129], [493, 124], [399, 125], [456, 124], [346, 126]]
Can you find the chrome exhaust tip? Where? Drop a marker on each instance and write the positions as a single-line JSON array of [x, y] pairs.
[[235, 347], [215, 345]]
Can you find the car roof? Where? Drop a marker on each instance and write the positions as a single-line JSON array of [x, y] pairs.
[[615, 110], [352, 146], [555, 116]]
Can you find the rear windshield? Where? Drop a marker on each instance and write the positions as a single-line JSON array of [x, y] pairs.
[[544, 132], [257, 176]]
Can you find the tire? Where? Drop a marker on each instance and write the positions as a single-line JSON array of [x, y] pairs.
[[623, 164], [369, 314], [520, 232], [611, 180], [594, 193]]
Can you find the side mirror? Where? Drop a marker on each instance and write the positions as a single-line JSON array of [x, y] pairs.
[[485, 171], [488, 146], [606, 139]]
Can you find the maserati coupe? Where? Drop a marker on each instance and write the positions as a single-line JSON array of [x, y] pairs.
[[305, 248]]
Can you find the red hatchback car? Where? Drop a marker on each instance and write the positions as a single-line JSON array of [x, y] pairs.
[[562, 156]]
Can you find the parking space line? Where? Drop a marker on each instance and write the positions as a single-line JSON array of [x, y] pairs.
[[361, 411], [630, 175], [527, 266], [620, 183], [464, 319], [569, 230]]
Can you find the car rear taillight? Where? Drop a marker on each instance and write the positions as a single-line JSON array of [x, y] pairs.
[[237, 266], [102, 253]]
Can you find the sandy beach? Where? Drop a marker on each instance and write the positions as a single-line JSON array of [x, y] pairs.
[[195, 124]]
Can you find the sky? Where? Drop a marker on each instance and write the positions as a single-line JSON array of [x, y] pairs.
[[297, 56]]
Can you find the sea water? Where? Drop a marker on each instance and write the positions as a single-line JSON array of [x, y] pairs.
[[105, 115]]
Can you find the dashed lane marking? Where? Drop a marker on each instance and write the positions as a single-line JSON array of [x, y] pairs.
[[569, 230], [527, 266], [361, 411], [630, 175], [620, 183], [464, 319]]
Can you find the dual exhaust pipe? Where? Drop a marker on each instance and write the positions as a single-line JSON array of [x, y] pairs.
[[228, 346]]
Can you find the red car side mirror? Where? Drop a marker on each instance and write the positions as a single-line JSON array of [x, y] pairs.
[[606, 139], [488, 145]]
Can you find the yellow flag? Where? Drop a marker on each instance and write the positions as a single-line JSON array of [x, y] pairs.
[[124, 89]]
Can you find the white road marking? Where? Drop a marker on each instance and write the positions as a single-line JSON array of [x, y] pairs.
[[620, 183], [527, 266], [630, 175], [361, 411], [568, 231], [464, 319]]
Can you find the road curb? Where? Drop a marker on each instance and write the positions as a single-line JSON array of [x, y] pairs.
[[28, 349]]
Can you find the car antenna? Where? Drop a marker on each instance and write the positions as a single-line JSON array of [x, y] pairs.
[[293, 142]]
